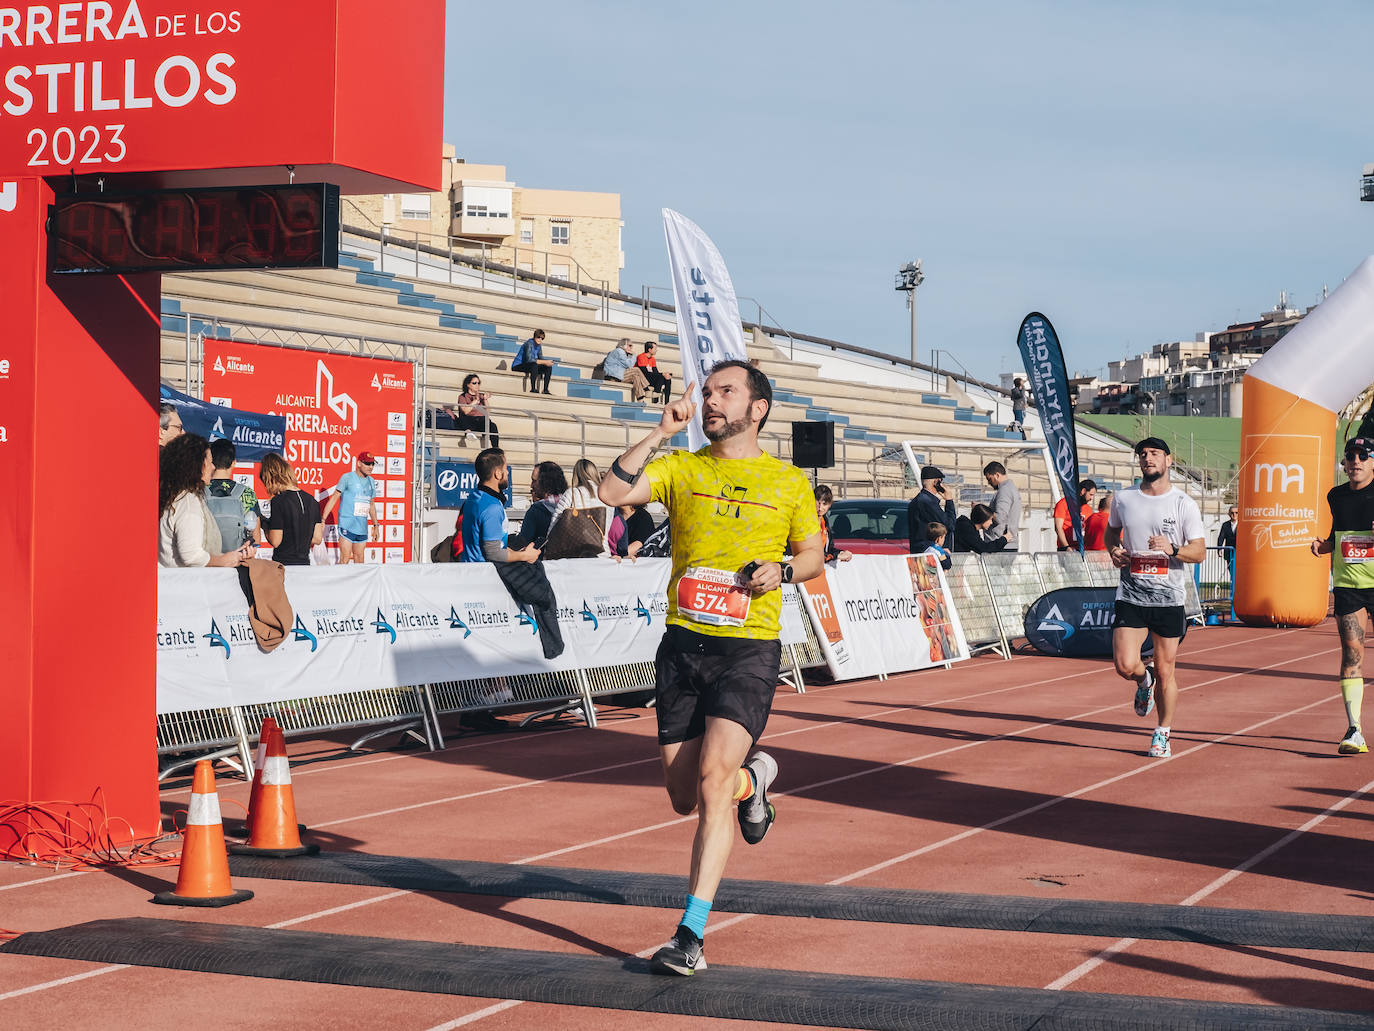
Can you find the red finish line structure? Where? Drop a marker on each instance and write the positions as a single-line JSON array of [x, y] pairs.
[[107, 100]]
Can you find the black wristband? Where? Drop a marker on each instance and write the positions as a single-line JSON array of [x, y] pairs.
[[619, 470]]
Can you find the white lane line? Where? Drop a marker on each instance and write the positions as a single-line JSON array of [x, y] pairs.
[[1089, 965], [477, 1015], [42, 880], [60, 981], [744, 916], [739, 918], [522, 785]]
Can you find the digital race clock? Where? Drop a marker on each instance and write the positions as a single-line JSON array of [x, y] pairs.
[[242, 227]]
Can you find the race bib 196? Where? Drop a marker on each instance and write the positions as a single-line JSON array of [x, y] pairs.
[[712, 596], [1357, 548], [1150, 564]]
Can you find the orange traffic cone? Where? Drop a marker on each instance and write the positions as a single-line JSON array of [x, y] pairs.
[[242, 830], [269, 724], [273, 830], [203, 879]]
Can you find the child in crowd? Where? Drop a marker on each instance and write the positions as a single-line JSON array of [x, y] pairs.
[[937, 532]]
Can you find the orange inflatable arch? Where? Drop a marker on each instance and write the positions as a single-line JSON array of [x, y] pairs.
[[1288, 454]]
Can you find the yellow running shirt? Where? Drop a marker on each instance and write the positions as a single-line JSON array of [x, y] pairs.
[[725, 513]]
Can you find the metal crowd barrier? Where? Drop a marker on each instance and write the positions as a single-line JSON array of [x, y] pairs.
[[185, 737], [991, 594]]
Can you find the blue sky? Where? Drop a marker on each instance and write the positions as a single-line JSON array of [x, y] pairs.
[[1138, 172]]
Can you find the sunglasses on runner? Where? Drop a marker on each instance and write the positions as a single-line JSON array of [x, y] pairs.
[[1360, 448]]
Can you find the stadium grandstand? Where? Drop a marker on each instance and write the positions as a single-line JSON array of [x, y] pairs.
[[456, 311]]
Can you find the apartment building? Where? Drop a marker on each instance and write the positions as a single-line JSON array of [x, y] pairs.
[[572, 235]]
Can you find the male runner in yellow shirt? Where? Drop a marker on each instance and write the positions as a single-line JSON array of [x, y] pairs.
[[735, 512]]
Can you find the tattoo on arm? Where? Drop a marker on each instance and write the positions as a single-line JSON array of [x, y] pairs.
[[1352, 643]]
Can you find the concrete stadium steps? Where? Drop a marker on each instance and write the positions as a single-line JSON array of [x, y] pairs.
[[356, 301], [566, 323], [337, 295]]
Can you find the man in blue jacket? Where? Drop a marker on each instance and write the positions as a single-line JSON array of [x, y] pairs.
[[530, 360], [932, 505]]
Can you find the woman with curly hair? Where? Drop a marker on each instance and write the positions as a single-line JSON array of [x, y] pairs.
[[294, 523], [187, 533]]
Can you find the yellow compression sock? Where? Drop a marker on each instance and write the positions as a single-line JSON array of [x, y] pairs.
[[1352, 690], [744, 787]]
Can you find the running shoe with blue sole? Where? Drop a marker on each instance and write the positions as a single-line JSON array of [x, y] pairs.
[[1145, 692]]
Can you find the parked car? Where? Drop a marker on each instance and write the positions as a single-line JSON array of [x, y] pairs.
[[870, 526]]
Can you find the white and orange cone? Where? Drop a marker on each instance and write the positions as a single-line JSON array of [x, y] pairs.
[[259, 756], [272, 830], [203, 879]]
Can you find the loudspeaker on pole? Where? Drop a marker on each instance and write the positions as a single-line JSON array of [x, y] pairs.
[[813, 444]]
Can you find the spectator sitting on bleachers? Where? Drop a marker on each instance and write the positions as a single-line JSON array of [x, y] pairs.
[[472, 410], [620, 365], [648, 364], [187, 534], [968, 532], [530, 361]]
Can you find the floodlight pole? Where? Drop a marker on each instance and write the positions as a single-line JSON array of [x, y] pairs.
[[909, 277]]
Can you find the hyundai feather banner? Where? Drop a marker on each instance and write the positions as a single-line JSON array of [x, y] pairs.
[[1043, 359], [708, 325]]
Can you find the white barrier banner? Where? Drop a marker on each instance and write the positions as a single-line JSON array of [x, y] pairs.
[[363, 627], [883, 614], [611, 614]]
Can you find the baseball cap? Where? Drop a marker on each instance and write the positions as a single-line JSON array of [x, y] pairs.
[[929, 472], [1155, 442], [1359, 445], [366, 458]]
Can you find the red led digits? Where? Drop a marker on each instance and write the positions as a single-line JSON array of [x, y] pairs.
[[216, 228]]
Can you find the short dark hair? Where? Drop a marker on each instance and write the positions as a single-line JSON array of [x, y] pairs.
[[550, 477], [994, 468], [488, 462], [980, 513], [223, 453], [1086, 484], [936, 530], [1106, 500], [649, 345], [759, 387], [538, 334], [823, 493]]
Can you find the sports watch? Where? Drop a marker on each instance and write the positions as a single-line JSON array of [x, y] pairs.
[[787, 572]]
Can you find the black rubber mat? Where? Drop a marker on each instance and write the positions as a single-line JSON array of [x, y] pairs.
[[1321, 931], [741, 993]]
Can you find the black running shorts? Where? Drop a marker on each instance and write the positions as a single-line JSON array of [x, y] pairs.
[[699, 675], [1160, 620], [1352, 599]]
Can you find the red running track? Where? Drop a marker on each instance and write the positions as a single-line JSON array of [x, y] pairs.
[[1022, 777]]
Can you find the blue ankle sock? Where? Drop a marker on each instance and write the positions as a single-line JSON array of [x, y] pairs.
[[695, 916]]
